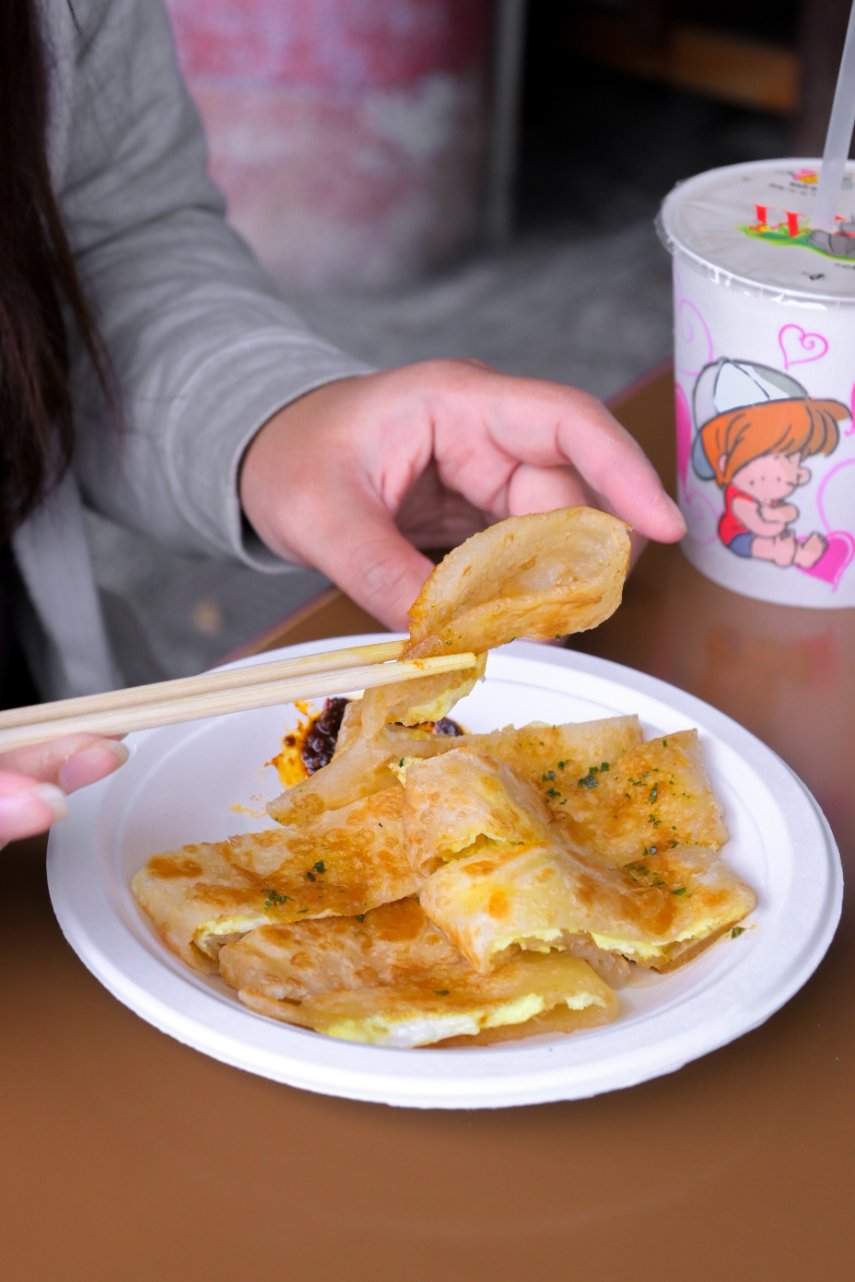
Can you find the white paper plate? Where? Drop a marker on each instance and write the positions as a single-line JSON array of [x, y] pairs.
[[202, 781]]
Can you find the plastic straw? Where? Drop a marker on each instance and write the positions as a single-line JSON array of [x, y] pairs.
[[839, 135]]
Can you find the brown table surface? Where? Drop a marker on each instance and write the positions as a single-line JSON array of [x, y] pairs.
[[128, 1155]]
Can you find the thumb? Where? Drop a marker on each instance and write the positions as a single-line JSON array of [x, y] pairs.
[[374, 563]]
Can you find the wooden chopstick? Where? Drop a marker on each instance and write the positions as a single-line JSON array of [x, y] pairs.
[[212, 694], [229, 679]]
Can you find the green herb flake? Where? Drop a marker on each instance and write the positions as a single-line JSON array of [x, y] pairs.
[[651, 819], [664, 743], [589, 780], [737, 931], [561, 764], [654, 793], [649, 850], [274, 899], [310, 876], [678, 890], [320, 866], [549, 774], [360, 916], [604, 765], [442, 992], [302, 910], [642, 875], [552, 792]]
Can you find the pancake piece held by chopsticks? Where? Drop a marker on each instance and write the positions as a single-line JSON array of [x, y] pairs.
[[539, 576]]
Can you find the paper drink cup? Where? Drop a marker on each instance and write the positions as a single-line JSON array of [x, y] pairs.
[[764, 357]]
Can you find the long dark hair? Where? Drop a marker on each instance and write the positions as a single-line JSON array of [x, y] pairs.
[[38, 280]]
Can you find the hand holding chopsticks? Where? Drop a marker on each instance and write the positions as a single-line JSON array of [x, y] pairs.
[[212, 694]]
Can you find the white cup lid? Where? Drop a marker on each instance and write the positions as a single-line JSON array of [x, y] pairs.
[[750, 226]]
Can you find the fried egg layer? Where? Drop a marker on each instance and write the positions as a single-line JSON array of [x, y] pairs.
[[542, 897], [344, 863], [462, 799], [392, 979]]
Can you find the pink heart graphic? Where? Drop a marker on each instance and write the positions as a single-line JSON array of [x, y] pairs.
[[683, 418], [834, 560], [798, 346]]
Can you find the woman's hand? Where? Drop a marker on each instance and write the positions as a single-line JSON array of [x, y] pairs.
[[34, 781], [353, 477]]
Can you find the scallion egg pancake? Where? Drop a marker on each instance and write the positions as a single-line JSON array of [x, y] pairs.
[[345, 862], [392, 979], [542, 897]]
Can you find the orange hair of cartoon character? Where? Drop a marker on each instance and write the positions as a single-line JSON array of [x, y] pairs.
[[802, 426]]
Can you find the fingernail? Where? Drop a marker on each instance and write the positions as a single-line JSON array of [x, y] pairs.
[[672, 510], [91, 764], [25, 813]]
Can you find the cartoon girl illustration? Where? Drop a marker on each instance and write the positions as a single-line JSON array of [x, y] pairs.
[[756, 427]]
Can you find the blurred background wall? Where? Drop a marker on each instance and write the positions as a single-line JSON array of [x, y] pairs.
[[348, 135]]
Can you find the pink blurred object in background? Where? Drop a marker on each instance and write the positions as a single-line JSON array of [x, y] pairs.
[[347, 135]]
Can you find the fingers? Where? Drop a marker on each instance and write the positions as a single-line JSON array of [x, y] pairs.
[[70, 762], [542, 489], [34, 781], [27, 807], [613, 465], [546, 426]]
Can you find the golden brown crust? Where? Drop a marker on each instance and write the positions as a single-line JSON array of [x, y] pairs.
[[375, 981], [538, 576]]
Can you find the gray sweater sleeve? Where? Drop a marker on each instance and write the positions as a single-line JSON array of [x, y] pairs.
[[201, 348]]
